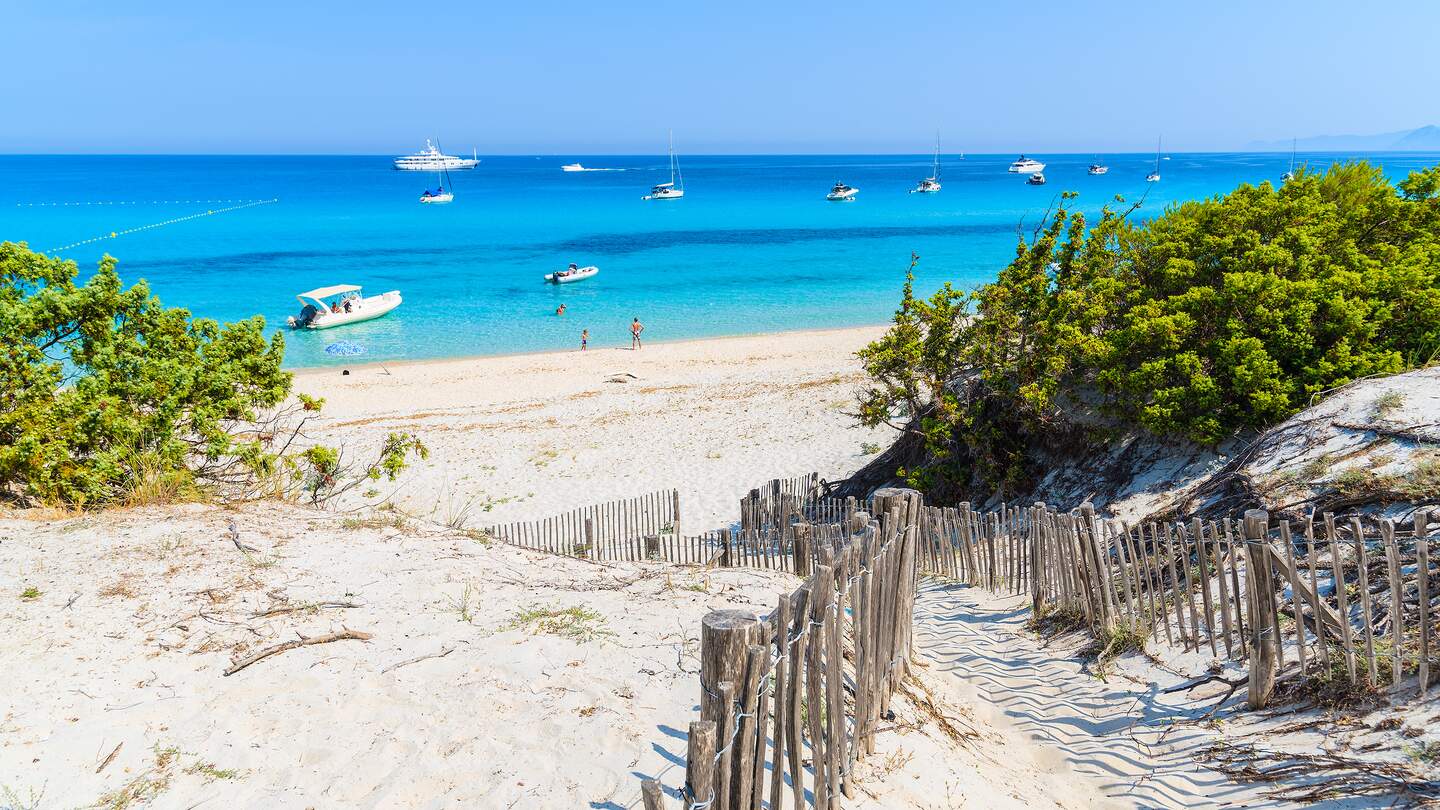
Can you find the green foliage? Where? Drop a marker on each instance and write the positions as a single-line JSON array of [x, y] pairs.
[[1216, 317], [100, 384]]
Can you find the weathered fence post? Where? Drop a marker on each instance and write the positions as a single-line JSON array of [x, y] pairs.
[[1261, 594], [675, 510], [592, 548], [700, 764], [801, 550], [652, 546]]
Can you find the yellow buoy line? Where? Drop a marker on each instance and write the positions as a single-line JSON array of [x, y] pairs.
[[132, 202], [153, 225]]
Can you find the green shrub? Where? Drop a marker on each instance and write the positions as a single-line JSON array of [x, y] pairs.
[[106, 397], [1217, 316]]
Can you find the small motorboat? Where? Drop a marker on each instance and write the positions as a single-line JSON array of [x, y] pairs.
[[1026, 166], [572, 167], [340, 304], [1098, 168], [1036, 179], [572, 273], [842, 193]]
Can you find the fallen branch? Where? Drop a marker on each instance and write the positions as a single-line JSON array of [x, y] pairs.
[[111, 757], [305, 606], [1316, 777], [407, 662], [1211, 678], [343, 635]]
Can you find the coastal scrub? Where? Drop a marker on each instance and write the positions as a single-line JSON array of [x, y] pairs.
[[1216, 317]]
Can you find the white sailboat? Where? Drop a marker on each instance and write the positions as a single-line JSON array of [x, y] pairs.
[[931, 184], [675, 189], [1154, 177], [1290, 175], [442, 192]]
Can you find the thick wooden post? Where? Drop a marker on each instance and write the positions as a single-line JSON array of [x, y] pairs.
[[1261, 593]]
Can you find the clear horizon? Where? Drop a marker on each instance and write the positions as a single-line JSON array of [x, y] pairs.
[[563, 77]]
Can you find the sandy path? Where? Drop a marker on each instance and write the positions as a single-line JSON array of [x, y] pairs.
[[1124, 732]]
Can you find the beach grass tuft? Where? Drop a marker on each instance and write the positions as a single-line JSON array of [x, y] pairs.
[[575, 623]]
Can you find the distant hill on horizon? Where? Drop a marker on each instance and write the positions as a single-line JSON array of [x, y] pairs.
[[1423, 139]]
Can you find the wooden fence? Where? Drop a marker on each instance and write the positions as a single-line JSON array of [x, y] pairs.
[[1343, 599], [771, 688], [615, 530]]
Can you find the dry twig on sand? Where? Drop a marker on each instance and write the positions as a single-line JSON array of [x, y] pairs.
[[444, 651], [300, 642], [1316, 777], [304, 606]]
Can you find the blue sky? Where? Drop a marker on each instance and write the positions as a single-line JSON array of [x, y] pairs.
[[546, 76]]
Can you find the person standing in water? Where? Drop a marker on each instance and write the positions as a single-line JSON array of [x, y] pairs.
[[584, 338], [635, 330]]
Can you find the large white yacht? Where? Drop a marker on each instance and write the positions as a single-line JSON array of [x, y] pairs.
[[431, 159], [1027, 166]]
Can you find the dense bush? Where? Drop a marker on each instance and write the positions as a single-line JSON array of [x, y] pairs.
[[1216, 317], [105, 393]]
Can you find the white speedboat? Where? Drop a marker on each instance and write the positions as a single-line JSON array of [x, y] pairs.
[[1154, 177], [931, 184], [572, 167], [841, 193], [1036, 179], [431, 159], [339, 305], [1026, 166], [675, 189], [571, 274], [1099, 168]]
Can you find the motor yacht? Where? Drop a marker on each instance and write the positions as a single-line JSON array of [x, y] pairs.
[[431, 159], [1026, 166]]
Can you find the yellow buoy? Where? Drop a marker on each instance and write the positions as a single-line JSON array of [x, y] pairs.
[[113, 234]]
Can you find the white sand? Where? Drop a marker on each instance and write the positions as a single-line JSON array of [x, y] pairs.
[[140, 611], [532, 435]]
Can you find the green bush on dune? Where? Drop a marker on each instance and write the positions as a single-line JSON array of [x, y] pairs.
[[107, 396], [1217, 317]]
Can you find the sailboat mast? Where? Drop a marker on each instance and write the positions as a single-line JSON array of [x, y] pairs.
[[675, 164], [1158, 141], [937, 155]]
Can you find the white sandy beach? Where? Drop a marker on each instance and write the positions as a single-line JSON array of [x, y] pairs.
[[118, 694], [525, 436]]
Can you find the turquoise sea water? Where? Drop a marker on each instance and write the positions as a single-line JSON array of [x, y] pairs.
[[753, 246]]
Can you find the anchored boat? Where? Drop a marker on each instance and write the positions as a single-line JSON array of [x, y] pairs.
[[340, 304], [841, 193], [572, 273], [1026, 166], [675, 189], [931, 184]]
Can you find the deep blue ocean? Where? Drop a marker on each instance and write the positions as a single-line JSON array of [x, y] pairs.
[[753, 246]]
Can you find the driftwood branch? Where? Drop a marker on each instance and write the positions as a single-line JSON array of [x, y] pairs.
[[407, 662], [304, 606], [301, 642]]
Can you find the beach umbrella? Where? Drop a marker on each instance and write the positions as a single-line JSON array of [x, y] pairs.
[[344, 348]]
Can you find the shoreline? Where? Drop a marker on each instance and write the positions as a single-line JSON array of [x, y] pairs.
[[366, 365]]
